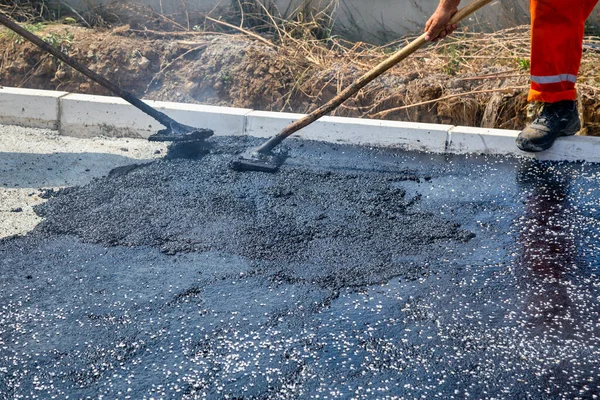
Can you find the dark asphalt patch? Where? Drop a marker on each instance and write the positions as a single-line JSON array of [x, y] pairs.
[[351, 273], [338, 229]]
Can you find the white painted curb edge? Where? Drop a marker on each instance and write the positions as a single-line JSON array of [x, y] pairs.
[[88, 116], [31, 108]]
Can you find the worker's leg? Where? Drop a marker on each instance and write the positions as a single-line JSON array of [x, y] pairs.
[[556, 46]]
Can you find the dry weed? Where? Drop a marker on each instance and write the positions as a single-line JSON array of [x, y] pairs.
[[478, 79]]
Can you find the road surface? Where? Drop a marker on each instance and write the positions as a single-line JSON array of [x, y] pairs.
[[351, 273]]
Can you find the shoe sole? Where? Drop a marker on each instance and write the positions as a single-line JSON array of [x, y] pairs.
[[529, 147]]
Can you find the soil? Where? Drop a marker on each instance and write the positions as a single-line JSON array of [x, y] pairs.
[[236, 70], [352, 272]]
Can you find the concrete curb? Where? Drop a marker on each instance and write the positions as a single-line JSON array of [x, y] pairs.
[[88, 116], [468, 140], [405, 135], [30, 108]]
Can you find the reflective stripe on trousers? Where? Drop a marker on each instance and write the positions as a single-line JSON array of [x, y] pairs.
[[544, 80]]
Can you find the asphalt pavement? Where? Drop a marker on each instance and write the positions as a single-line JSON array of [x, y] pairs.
[[351, 273]]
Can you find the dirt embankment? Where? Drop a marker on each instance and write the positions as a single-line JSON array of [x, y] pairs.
[[476, 87]]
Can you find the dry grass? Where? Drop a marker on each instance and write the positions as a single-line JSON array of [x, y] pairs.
[[479, 79], [27, 10], [461, 73], [471, 78]]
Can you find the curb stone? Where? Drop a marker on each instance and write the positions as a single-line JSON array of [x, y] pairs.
[[90, 116]]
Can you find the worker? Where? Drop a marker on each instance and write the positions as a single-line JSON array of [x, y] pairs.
[[557, 28]]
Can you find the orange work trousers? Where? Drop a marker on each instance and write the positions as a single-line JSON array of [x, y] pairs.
[[556, 47]]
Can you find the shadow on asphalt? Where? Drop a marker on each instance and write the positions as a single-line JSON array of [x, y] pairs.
[[34, 170]]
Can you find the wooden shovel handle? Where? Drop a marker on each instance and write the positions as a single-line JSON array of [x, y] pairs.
[[365, 79]]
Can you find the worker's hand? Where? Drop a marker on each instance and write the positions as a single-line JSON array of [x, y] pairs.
[[437, 27]]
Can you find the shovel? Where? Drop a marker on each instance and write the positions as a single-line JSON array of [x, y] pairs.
[[174, 132], [264, 159]]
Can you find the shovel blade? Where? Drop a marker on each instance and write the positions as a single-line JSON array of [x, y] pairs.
[[253, 160], [177, 132]]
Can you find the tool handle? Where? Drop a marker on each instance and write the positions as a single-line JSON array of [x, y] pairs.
[[13, 26], [365, 80]]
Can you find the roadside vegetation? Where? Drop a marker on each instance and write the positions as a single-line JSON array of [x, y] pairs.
[[247, 54]]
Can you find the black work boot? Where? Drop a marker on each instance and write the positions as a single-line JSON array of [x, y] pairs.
[[555, 120]]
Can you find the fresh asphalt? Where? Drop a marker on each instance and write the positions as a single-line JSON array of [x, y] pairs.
[[351, 273]]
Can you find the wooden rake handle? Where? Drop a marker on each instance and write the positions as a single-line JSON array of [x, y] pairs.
[[365, 80]]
